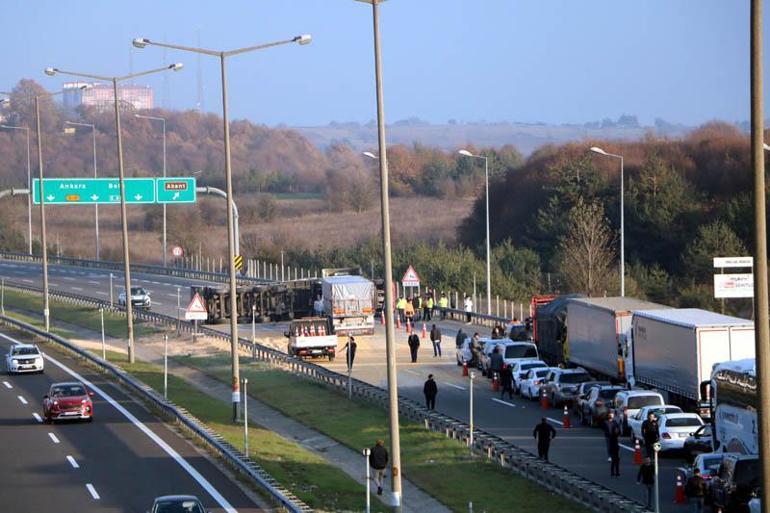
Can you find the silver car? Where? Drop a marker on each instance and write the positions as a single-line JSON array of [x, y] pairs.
[[177, 504], [24, 358], [139, 298]]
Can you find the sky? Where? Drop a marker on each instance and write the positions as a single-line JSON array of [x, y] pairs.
[[551, 61]]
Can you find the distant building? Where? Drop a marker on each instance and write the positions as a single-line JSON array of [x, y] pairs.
[[132, 97]]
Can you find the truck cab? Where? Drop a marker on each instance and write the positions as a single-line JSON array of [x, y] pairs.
[[311, 338]]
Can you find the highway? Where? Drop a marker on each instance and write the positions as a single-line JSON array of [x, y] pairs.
[[118, 463], [580, 449]]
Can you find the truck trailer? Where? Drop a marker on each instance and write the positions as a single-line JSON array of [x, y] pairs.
[[349, 303]]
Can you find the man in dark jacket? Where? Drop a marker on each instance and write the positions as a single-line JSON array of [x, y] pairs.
[[430, 390], [460, 338], [613, 446], [435, 338], [646, 476], [350, 353], [506, 381], [544, 433], [696, 490], [414, 345], [650, 433], [378, 460], [495, 363]]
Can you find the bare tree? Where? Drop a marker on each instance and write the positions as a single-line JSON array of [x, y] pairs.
[[587, 253]]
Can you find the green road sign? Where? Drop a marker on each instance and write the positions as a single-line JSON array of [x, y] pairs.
[[175, 190]]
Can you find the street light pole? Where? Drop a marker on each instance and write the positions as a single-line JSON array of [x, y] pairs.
[[304, 39], [622, 219], [43, 242], [96, 205], [466, 153], [163, 121]]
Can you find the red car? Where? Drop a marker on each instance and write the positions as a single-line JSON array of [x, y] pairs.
[[68, 401]]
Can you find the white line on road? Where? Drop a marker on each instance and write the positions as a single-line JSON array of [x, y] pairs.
[[92, 282], [27, 281], [101, 293], [53, 438], [627, 447], [7, 385], [50, 284], [92, 491], [73, 462], [458, 387], [37, 417], [23, 401], [504, 402], [77, 288], [158, 303], [557, 422], [69, 278]]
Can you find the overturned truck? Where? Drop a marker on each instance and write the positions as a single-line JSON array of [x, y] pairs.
[[267, 302]]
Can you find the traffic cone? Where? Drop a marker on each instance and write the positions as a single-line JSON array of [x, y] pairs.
[[544, 403], [424, 331], [398, 322], [637, 453], [495, 383], [465, 369], [565, 423], [679, 497], [408, 327]]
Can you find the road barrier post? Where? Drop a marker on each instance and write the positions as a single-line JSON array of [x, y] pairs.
[[104, 348], [367, 451]]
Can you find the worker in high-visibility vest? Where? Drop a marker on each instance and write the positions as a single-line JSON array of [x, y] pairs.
[[443, 304], [400, 306], [429, 304]]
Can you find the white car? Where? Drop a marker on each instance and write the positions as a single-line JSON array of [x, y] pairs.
[[530, 385], [139, 298], [628, 402], [674, 428], [24, 358], [520, 369], [635, 421]]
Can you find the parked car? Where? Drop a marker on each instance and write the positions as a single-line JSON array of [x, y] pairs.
[[520, 369], [512, 352], [562, 385], [708, 464], [598, 404], [674, 428], [24, 358], [628, 403], [177, 504], [463, 353], [66, 401], [582, 394], [636, 420], [535, 378], [699, 442], [518, 332], [736, 483], [139, 298]]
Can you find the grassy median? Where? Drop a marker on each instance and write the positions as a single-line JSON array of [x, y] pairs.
[[438, 465]]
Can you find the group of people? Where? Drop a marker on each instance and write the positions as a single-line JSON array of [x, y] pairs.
[[414, 342], [421, 307]]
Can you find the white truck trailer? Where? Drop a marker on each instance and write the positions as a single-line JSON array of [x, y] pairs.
[[676, 350], [349, 302], [597, 330]]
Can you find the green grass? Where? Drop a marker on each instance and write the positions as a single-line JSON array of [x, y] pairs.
[[441, 466], [85, 316]]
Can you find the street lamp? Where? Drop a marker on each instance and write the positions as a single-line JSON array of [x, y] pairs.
[[466, 153], [302, 40], [121, 175], [162, 120], [96, 205], [29, 184], [622, 220], [395, 436]]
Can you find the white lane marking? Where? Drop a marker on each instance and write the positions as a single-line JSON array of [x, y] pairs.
[[557, 422], [92, 282], [23, 401], [7, 385], [73, 462], [37, 417], [627, 447], [147, 431], [158, 303], [77, 288], [504, 402], [51, 284], [69, 278], [27, 281], [458, 387], [101, 293], [92, 491]]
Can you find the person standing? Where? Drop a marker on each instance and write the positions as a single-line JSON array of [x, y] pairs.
[[409, 311], [400, 306], [496, 362], [544, 433], [443, 304], [468, 307], [650, 433], [414, 345], [613, 446], [460, 338], [646, 476], [378, 460], [607, 428], [350, 351], [430, 389], [318, 306], [506, 380], [417, 304], [435, 338], [427, 308], [696, 490]]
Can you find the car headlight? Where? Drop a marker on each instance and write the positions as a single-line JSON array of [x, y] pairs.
[[84, 401], [15, 360]]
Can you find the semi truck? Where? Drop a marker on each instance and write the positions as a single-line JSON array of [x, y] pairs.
[[349, 303]]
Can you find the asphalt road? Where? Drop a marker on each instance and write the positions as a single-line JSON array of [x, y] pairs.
[[580, 449], [118, 463]]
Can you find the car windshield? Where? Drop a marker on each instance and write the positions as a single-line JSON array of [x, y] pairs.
[[24, 351], [68, 391], [711, 464], [177, 506], [575, 377], [541, 373], [137, 291], [518, 332], [536, 365], [521, 352], [683, 422], [640, 401], [608, 394]]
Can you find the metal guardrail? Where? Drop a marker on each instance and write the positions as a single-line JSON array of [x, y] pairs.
[[213, 440], [554, 477]]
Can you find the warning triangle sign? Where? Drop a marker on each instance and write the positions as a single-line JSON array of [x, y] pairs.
[[411, 278], [196, 310]]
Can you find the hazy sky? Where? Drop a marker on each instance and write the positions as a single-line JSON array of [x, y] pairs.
[[556, 61]]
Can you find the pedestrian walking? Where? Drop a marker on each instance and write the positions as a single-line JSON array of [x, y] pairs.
[[378, 460], [613, 446], [414, 345], [650, 433], [350, 351], [506, 380], [435, 338], [318, 306], [496, 362], [646, 477], [430, 389], [468, 307], [400, 307], [460, 338], [443, 304], [417, 304], [696, 490], [544, 433], [607, 427]]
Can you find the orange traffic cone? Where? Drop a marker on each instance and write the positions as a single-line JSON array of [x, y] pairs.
[[637, 453], [398, 322], [465, 369], [495, 383], [565, 423], [679, 496], [544, 403], [424, 331]]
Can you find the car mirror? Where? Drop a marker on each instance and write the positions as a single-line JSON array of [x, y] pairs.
[[90, 394]]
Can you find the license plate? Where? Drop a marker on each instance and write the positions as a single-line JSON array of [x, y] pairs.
[[683, 435]]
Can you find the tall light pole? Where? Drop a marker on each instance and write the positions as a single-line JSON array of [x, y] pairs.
[[29, 184], [96, 205], [121, 177], [222, 55], [395, 436], [622, 220], [163, 121], [466, 153]]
